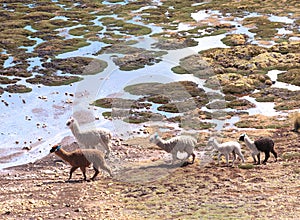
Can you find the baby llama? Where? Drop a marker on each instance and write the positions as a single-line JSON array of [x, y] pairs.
[[175, 145], [265, 145], [82, 158], [91, 138], [226, 148]]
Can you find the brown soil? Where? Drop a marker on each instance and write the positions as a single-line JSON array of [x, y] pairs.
[[144, 186]]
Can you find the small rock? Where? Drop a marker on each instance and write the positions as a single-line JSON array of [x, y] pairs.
[[7, 213], [27, 148], [69, 101], [43, 97]]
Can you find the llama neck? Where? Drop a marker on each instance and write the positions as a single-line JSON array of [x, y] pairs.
[[215, 144], [248, 142], [164, 145], [75, 128], [63, 154]]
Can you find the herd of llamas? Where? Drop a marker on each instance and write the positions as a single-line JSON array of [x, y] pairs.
[[91, 140]]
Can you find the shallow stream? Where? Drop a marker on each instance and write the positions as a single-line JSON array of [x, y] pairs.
[[37, 119]]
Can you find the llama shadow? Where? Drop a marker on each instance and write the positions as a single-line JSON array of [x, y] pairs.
[[64, 181], [148, 173], [162, 166], [168, 166]]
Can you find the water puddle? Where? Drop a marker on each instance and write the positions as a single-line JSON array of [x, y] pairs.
[[45, 110], [273, 75], [281, 19]]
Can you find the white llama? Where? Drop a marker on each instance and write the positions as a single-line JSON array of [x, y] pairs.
[[175, 145], [91, 138], [226, 148]]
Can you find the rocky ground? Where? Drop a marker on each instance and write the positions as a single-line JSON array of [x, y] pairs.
[[144, 186]]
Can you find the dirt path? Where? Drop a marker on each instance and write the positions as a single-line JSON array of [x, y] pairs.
[[145, 187]]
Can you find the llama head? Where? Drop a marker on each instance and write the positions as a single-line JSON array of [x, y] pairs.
[[55, 148], [70, 122], [210, 144], [242, 137]]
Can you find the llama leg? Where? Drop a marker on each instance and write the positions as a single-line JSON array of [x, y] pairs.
[[95, 174], [258, 158], [241, 156], [174, 157], [107, 169], [267, 155], [227, 159], [108, 150], [274, 153], [253, 156], [193, 155], [219, 156], [71, 172], [83, 170], [234, 158]]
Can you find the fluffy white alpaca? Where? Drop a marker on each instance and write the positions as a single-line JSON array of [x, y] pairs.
[[91, 138], [226, 148], [175, 145]]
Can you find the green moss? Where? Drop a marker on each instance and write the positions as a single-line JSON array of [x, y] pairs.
[[177, 91], [264, 28], [288, 105], [11, 41], [121, 48], [84, 31], [196, 124], [125, 28], [235, 39], [292, 76], [56, 47], [38, 16], [246, 166], [138, 60], [77, 65], [5, 80], [290, 155], [120, 103], [138, 117], [107, 114], [265, 99], [53, 80], [17, 89], [159, 99], [179, 70], [240, 104]]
